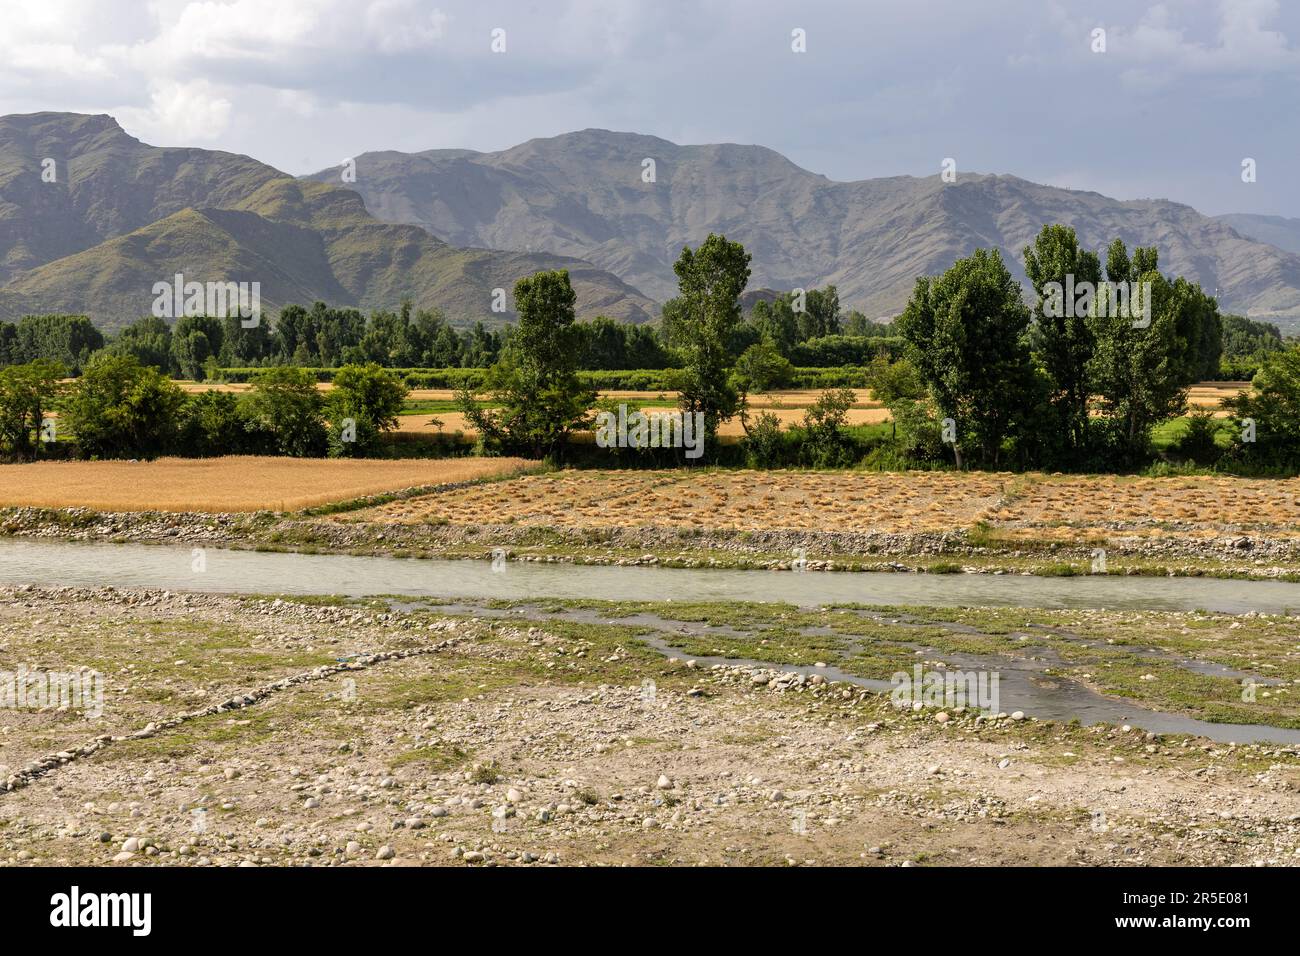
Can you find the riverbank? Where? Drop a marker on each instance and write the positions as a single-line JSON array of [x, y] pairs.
[[940, 552], [260, 731], [939, 522]]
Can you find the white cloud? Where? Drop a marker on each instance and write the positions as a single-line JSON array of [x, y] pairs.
[[882, 88], [181, 113]]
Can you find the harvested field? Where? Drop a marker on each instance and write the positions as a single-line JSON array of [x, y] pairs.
[[235, 483], [1212, 394], [1031, 506], [754, 500], [1201, 506], [1204, 394]]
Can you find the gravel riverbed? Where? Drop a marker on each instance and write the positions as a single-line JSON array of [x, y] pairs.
[[253, 732]]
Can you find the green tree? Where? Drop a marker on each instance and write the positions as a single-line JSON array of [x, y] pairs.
[[1246, 338], [700, 323], [243, 346], [210, 424], [122, 409], [67, 339], [363, 405], [535, 383], [966, 331], [287, 409], [195, 339], [776, 321], [9, 351], [1141, 372], [761, 368], [821, 314], [1061, 339], [27, 392], [149, 339], [825, 443], [765, 442], [1267, 416]]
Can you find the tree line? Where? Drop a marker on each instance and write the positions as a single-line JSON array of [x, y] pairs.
[[984, 379], [973, 373], [323, 336], [121, 408]]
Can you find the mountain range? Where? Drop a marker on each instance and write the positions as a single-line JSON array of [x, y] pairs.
[[445, 227], [120, 215], [584, 194]]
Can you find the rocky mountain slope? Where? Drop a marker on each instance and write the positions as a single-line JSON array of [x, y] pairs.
[[584, 194], [121, 215]]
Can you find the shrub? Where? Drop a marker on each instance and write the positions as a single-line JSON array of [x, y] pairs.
[[1197, 443], [364, 404], [765, 444], [825, 444], [26, 393]]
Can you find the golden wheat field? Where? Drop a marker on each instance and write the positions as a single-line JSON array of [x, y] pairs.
[[1212, 394], [452, 422], [236, 483], [1016, 506]]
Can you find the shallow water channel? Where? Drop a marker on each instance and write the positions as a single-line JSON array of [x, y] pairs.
[[1024, 686]]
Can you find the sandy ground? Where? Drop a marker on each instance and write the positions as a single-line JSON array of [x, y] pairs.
[[505, 743]]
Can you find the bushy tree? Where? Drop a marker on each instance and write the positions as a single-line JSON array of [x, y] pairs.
[[1139, 372], [195, 340], [821, 314], [535, 383], [1266, 424], [244, 346], [363, 405], [761, 368], [27, 392], [1063, 342], [210, 424], [69, 340], [967, 335], [286, 408], [149, 339], [122, 409], [1246, 338], [776, 322], [825, 443], [765, 443], [700, 322]]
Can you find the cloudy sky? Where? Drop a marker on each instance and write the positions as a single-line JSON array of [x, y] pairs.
[[1184, 91]]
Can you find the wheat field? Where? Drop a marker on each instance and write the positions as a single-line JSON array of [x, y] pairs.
[[234, 483]]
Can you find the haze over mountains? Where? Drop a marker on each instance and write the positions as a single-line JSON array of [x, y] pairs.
[[1278, 231], [122, 215], [445, 227]]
